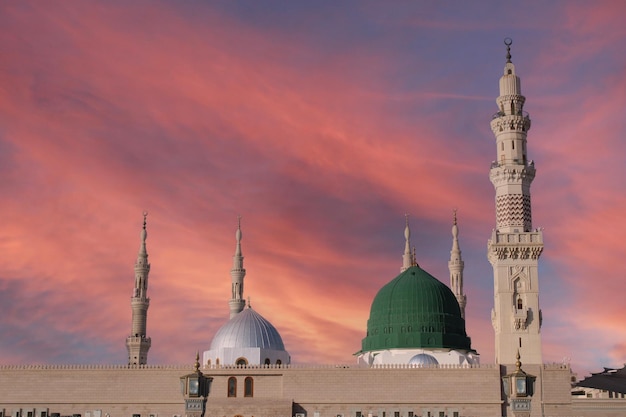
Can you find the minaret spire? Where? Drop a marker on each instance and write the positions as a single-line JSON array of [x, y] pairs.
[[514, 247], [456, 266], [237, 274], [138, 343], [407, 257]]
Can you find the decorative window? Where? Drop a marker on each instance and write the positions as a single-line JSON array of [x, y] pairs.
[[267, 361], [279, 362], [248, 387], [241, 362], [520, 305], [232, 386]]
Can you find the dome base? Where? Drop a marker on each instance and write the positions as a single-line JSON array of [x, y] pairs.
[[244, 356], [404, 356]]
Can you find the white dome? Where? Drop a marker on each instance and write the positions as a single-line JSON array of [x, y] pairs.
[[423, 359], [248, 329]]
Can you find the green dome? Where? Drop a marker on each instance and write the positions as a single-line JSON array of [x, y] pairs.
[[415, 310]]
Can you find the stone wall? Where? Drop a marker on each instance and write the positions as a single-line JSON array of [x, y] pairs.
[[315, 391]]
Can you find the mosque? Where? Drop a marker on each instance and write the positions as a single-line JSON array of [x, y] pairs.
[[415, 360]]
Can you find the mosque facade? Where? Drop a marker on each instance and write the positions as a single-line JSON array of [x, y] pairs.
[[416, 359]]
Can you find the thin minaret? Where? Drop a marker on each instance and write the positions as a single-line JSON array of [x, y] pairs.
[[138, 343], [407, 257], [237, 273], [455, 266], [514, 247]]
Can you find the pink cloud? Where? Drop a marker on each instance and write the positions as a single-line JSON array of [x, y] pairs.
[[196, 121]]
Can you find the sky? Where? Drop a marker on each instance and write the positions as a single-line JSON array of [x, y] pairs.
[[320, 123]]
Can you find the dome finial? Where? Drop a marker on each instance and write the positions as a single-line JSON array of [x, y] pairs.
[[508, 42], [407, 258], [518, 363]]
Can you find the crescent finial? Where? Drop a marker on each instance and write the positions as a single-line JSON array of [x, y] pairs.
[[508, 42]]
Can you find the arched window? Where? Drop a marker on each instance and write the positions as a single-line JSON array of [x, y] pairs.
[[520, 305], [248, 387], [279, 362], [267, 361], [241, 362], [208, 363], [232, 386]]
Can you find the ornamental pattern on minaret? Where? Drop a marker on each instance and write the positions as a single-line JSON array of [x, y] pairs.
[[456, 266], [138, 343], [511, 173], [237, 274]]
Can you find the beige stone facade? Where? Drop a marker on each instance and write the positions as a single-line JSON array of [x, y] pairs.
[[311, 391]]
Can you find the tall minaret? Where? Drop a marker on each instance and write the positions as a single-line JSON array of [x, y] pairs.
[[455, 266], [237, 302], [514, 247], [138, 343]]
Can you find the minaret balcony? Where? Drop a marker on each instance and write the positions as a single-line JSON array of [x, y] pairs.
[[515, 161], [534, 237], [515, 245], [502, 122], [522, 113], [139, 340], [520, 319]]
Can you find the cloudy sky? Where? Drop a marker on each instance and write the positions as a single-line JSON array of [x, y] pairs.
[[321, 124]]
